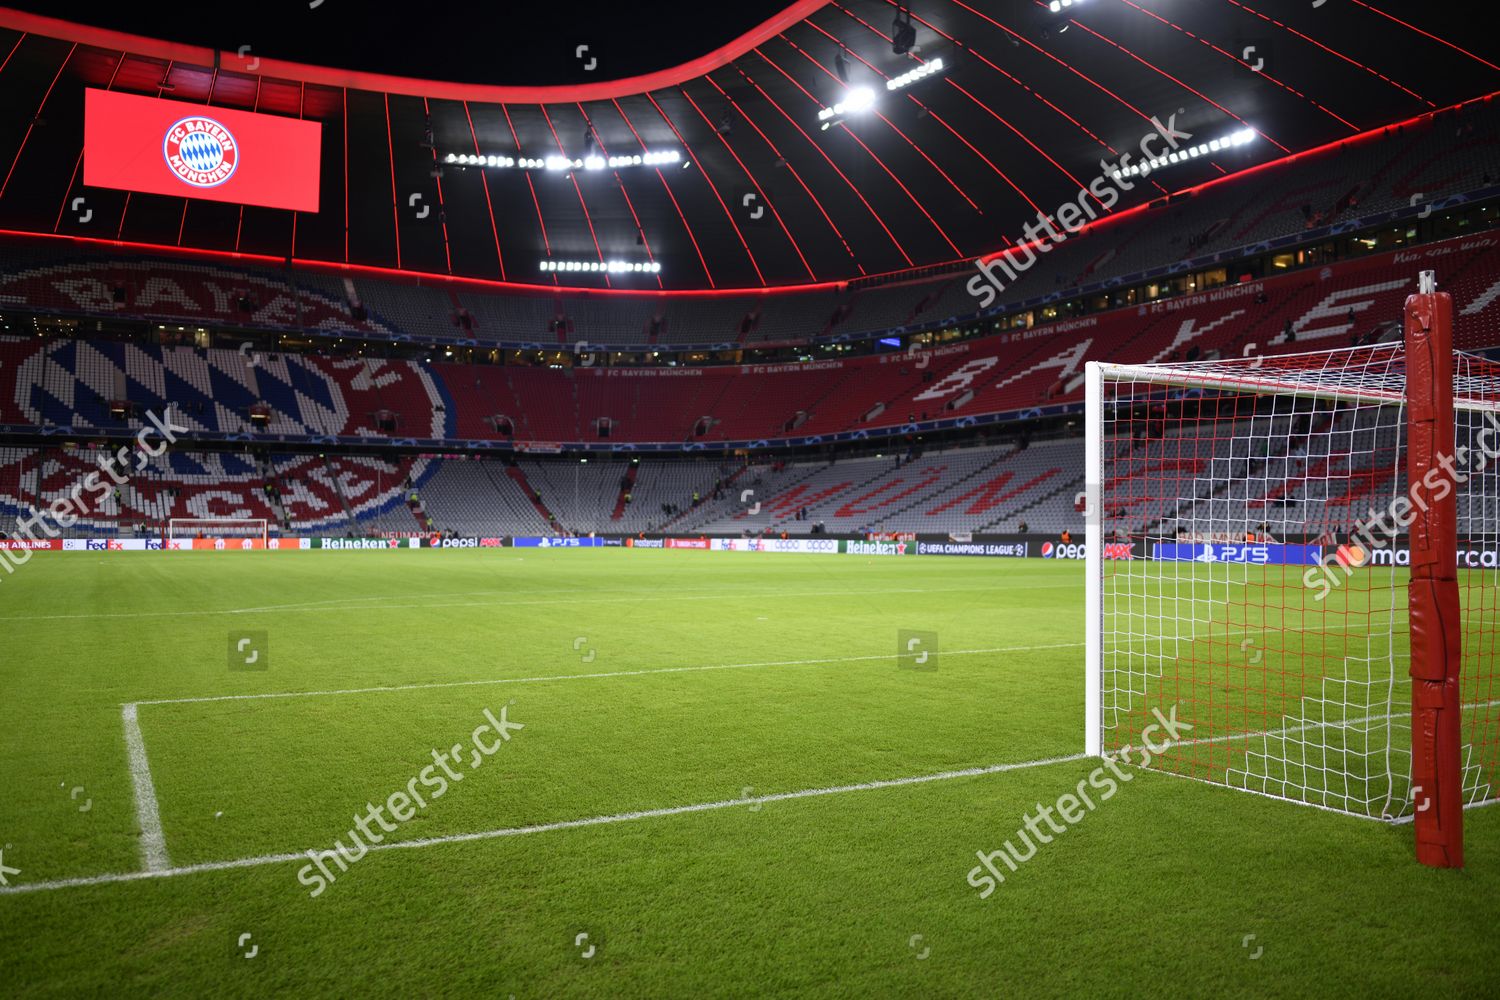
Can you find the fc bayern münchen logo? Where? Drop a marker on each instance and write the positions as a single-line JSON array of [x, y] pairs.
[[201, 152]]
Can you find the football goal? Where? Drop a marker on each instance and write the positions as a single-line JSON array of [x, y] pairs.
[[186, 528], [1312, 582]]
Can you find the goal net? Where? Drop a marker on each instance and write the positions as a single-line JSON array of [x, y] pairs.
[[184, 528], [1313, 566]]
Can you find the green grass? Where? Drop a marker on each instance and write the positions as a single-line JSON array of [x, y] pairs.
[[1291, 692], [1156, 891]]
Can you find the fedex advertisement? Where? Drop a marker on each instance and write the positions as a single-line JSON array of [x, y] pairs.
[[176, 148]]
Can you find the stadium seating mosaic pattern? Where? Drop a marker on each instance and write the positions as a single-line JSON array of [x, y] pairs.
[[68, 383], [79, 384], [65, 383], [996, 488]]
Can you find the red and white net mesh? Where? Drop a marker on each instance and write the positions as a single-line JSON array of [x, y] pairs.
[[186, 528], [1266, 594]]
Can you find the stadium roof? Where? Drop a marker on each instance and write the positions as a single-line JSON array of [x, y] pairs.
[[1027, 105]]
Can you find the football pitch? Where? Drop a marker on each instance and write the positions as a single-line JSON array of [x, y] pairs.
[[662, 774]]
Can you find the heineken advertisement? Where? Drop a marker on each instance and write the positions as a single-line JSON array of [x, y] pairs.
[[876, 548], [363, 543]]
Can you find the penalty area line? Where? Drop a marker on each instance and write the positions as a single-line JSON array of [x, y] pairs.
[[518, 831], [599, 675], [590, 676], [153, 840], [511, 603]]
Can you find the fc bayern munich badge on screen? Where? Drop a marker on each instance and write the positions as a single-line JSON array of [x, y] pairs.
[[201, 152]]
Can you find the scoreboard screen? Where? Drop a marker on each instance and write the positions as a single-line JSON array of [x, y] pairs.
[[189, 150]]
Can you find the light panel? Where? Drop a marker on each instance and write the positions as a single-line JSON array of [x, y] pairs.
[[559, 164], [601, 266], [910, 77], [1241, 137], [858, 99]]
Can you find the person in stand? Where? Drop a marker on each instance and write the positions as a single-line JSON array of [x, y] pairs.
[[1067, 537]]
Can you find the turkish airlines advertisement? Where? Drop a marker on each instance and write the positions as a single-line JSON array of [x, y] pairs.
[[187, 150]]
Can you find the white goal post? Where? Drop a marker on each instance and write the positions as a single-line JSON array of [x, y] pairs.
[[182, 528], [1296, 555]]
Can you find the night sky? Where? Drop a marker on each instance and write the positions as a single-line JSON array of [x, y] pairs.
[[492, 43]]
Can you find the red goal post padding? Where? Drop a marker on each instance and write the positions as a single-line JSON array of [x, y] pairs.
[[1433, 600]]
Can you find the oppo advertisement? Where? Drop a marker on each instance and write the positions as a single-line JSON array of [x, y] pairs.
[[815, 546], [188, 150]]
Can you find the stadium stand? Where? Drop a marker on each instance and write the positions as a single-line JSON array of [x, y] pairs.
[[967, 489], [263, 404], [63, 382], [478, 497], [1009, 488]]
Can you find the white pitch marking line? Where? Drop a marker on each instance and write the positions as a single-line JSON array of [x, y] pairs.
[[378, 597], [516, 831], [153, 841], [307, 605], [593, 676], [597, 676], [737, 596]]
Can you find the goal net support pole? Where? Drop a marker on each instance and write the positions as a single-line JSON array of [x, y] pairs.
[[1093, 536], [1433, 599]]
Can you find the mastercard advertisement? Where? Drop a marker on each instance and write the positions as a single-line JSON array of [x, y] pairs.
[[153, 146]]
